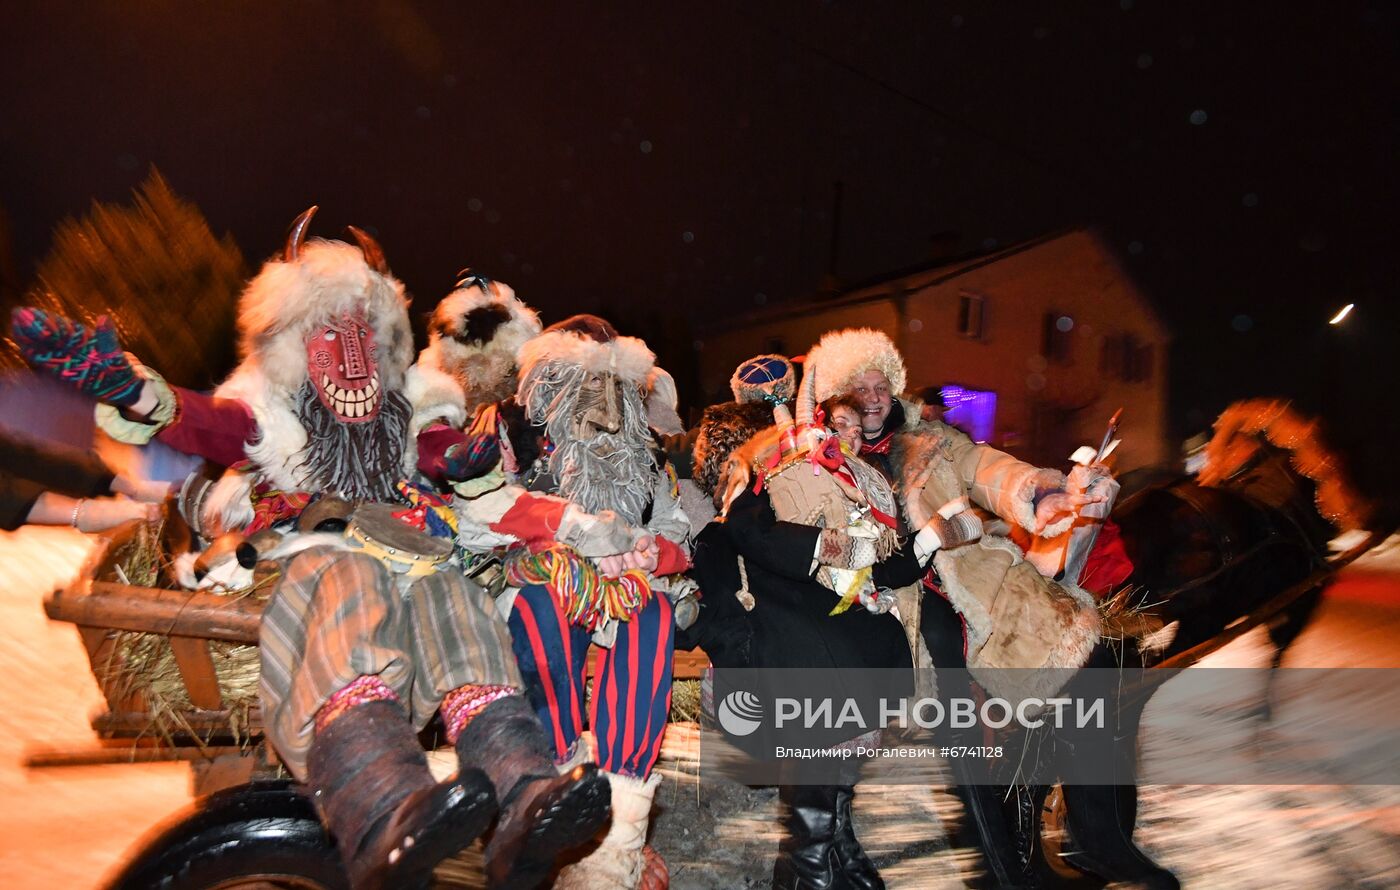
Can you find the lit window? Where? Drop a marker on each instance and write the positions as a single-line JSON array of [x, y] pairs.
[[970, 410]]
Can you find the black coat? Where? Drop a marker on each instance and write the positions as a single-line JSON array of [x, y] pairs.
[[790, 625], [28, 469]]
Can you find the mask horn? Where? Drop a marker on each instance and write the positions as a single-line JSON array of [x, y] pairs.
[[297, 234], [468, 278], [374, 254]]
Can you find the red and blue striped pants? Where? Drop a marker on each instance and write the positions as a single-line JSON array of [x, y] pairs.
[[631, 684]]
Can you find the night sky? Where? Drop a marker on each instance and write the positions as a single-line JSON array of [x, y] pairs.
[[666, 166]]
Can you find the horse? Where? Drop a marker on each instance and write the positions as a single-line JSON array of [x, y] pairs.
[[1243, 543]]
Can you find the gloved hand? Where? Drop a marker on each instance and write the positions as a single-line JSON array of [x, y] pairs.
[[90, 361], [877, 601], [1093, 479], [474, 456], [843, 551], [961, 528]]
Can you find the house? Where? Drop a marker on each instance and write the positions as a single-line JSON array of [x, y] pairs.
[[1035, 345]]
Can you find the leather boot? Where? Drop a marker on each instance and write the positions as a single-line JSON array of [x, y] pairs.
[[542, 813], [369, 779], [857, 867], [987, 826], [1101, 820], [622, 861], [807, 853]]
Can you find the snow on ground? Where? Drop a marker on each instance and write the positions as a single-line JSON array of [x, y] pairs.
[[71, 827], [65, 827]]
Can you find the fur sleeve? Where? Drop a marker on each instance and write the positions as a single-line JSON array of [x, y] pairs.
[[668, 518], [998, 482]]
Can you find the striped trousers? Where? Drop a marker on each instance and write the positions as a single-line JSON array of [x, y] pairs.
[[631, 685], [337, 615]]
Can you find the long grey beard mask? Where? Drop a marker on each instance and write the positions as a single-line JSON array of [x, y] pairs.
[[610, 471], [358, 461]]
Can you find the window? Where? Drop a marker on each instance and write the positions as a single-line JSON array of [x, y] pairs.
[[970, 410], [1124, 357], [971, 311], [1055, 331]]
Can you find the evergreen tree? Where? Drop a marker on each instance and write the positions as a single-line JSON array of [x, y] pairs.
[[170, 286]]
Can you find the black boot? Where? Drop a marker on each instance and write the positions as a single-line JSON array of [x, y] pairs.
[[807, 853], [989, 828], [393, 824], [857, 867], [543, 813], [1101, 821]]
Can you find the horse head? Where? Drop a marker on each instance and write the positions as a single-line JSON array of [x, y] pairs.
[[1266, 451]]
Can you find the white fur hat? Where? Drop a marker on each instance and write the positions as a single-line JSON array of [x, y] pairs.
[[841, 356], [591, 343]]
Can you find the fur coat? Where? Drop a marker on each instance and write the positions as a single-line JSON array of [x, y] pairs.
[[1015, 617]]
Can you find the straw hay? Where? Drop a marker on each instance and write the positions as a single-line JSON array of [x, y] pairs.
[[142, 666]]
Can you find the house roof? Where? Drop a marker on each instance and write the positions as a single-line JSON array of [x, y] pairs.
[[924, 275]]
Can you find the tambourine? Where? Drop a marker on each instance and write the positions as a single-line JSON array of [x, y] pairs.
[[404, 550]]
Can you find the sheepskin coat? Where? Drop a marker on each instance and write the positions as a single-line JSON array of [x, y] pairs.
[[1015, 617]]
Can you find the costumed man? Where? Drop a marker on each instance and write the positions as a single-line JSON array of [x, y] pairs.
[[584, 514], [984, 606], [991, 608], [361, 643], [797, 575]]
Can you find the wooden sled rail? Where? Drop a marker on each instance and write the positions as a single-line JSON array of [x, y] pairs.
[[154, 610]]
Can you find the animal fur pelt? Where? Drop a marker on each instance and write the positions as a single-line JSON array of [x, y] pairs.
[[723, 428]]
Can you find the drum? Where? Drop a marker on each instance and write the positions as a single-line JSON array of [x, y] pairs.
[[402, 548]]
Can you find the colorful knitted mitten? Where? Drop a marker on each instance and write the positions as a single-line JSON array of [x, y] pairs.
[[476, 454], [90, 361]]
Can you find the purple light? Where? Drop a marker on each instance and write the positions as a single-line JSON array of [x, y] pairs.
[[971, 410]]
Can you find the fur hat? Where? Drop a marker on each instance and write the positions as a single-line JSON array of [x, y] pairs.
[[589, 342], [723, 428], [841, 356], [474, 336], [768, 378], [314, 284]]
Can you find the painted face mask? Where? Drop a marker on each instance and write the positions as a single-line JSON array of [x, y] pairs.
[[340, 359]]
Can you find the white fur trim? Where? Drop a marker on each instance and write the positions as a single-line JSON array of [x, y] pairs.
[[434, 395], [626, 357]]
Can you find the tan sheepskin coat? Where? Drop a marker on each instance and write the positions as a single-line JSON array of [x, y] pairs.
[[1016, 617]]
